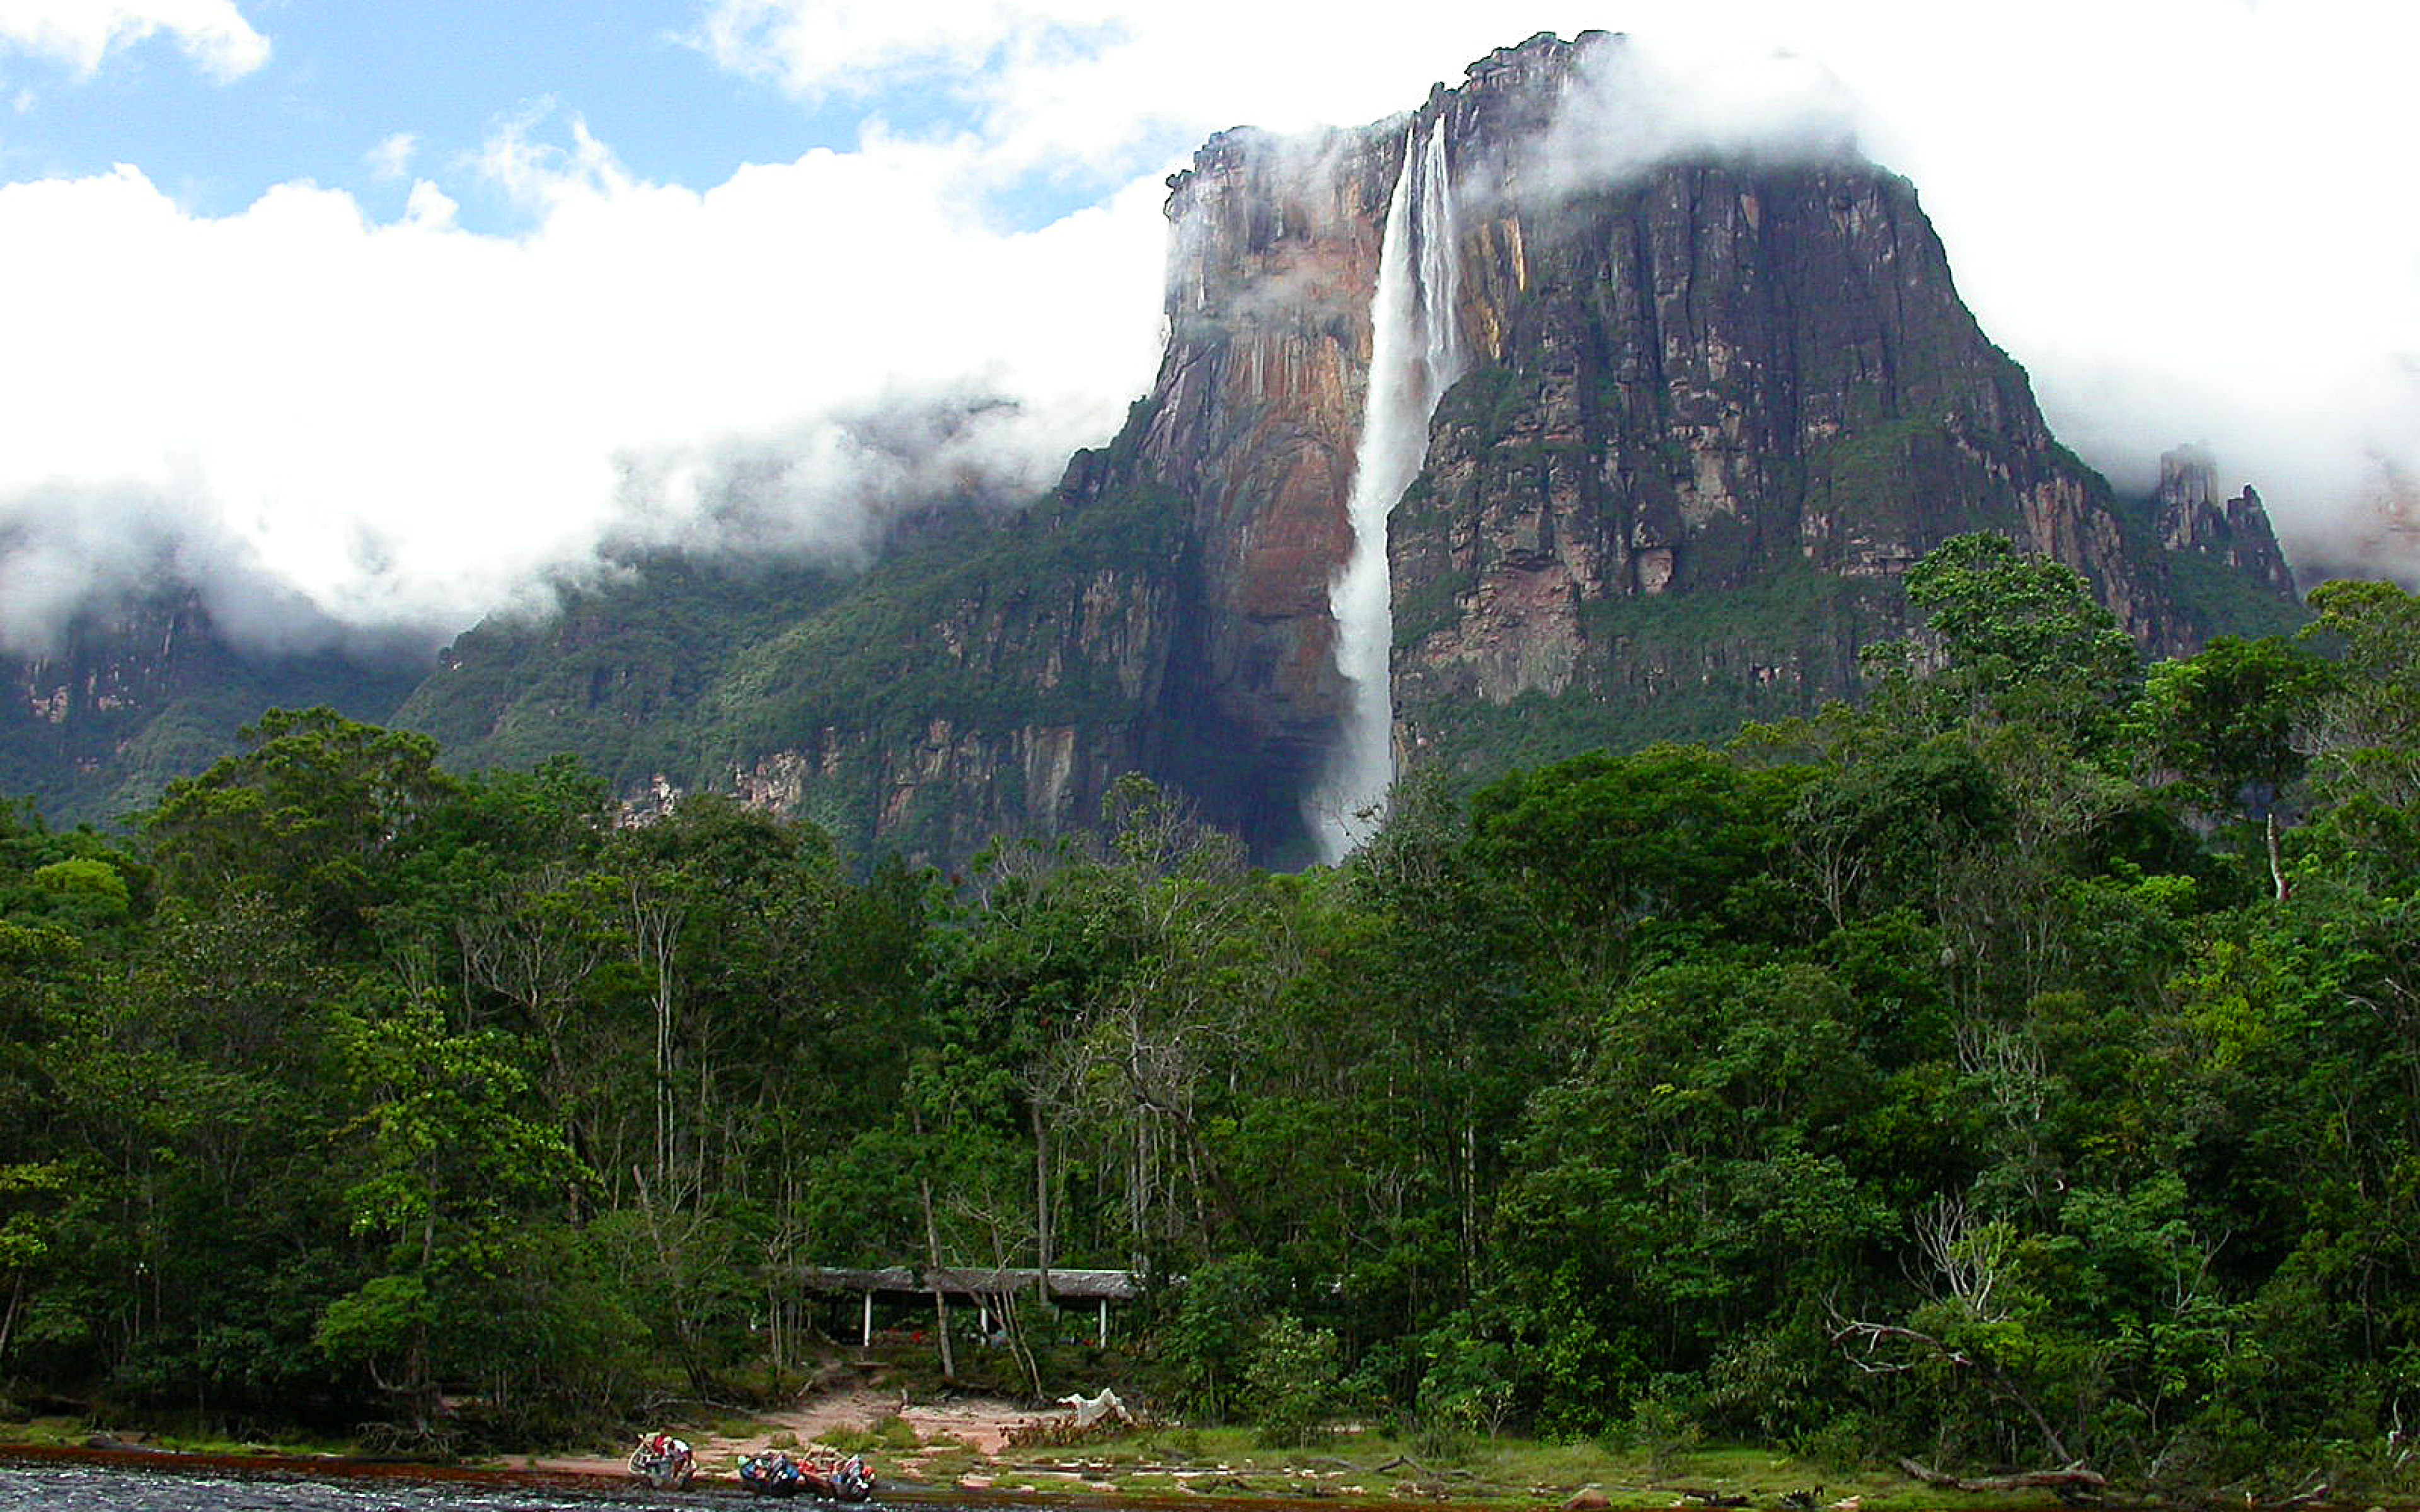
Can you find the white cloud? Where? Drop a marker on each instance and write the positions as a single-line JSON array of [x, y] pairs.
[[81, 33], [2182, 216], [392, 158], [861, 46], [410, 421], [2187, 218], [1632, 108], [429, 207], [1085, 82]]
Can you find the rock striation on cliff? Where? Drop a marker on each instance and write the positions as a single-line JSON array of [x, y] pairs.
[[1710, 409], [1701, 409], [1714, 408], [144, 687]]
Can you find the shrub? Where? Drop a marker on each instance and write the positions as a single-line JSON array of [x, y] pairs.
[[1661, 1431], [1291, 1383], [1464, 1395]]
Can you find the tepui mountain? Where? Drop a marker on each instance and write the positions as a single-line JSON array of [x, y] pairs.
[[1672, 430]]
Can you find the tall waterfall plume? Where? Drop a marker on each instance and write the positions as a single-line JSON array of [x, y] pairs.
[[1415, 355]]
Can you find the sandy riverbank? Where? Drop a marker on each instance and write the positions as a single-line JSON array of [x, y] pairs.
[[982, 1424]]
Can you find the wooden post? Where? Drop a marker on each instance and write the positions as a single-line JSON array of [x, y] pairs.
[[933, 1263], [866, 1341], [1101, 1337]]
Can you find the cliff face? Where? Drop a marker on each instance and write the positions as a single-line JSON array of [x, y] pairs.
[[145, 688], [1710, 409], [1714, 410], [961, 696], [1716, 382], [1252, 423]]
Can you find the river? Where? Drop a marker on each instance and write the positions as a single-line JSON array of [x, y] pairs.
[[109, 1489]]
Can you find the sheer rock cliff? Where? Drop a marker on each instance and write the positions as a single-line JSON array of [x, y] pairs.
[[144, 687], [1714, 403], [1716, 408]]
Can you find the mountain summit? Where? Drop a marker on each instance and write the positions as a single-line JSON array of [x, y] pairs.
[[1483, 434], [1706, 410]]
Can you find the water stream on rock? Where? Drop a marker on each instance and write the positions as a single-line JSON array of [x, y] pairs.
[[1415, 355]]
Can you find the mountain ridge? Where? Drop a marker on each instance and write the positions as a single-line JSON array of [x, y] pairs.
[[1714, 407]]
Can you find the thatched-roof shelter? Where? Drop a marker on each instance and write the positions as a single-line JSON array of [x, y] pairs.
[[983, 1285]]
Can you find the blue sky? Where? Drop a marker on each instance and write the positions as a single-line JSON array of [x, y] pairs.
[[399, 307], [342, 77], [368, 98]]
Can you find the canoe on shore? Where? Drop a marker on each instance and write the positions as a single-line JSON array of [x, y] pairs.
[[664, 1463], [776, 1474]]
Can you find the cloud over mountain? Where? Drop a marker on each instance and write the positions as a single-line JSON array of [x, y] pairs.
[[2184, 217], [410, 422]]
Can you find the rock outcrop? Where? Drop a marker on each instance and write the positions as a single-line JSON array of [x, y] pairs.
[[1715, 407], [2191, 516], [1710, 407], [143, 687]]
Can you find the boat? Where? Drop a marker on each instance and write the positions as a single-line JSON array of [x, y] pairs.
[[844, 1480], [773, 1473], [664, 1463]]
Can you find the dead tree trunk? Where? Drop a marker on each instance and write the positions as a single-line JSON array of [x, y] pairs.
[[932, 1267], [2070, 1483]]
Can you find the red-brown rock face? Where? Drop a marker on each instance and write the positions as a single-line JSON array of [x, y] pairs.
[[1254, 420], [1701, 380], [1711, 410]]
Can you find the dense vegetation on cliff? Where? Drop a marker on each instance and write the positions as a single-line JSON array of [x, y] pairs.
[[1711, 408], [2022, 1069]]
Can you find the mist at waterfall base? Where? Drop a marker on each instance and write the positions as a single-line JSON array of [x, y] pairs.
[[1415, 355]]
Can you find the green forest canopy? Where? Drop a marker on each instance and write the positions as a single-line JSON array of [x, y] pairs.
[[2023, 1068]]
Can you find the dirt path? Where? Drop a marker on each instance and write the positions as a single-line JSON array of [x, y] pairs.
[[980, 1422]]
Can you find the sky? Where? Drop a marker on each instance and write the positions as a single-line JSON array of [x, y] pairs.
[[383, 316]]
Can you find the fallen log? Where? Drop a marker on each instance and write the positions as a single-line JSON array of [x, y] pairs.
[[1407, 1463], [2071, 1481]]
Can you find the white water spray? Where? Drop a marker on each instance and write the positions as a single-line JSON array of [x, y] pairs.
[[1415, 355]]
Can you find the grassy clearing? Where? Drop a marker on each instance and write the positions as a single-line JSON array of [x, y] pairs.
[[54, 1431], [887, 1435], [1376, 1466], [1350, 1465]]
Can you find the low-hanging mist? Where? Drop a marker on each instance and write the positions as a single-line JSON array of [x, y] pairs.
[[404, 424], [410, 424], [2180, 215]]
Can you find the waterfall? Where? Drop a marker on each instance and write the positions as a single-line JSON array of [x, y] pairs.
[[1415, 355]]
